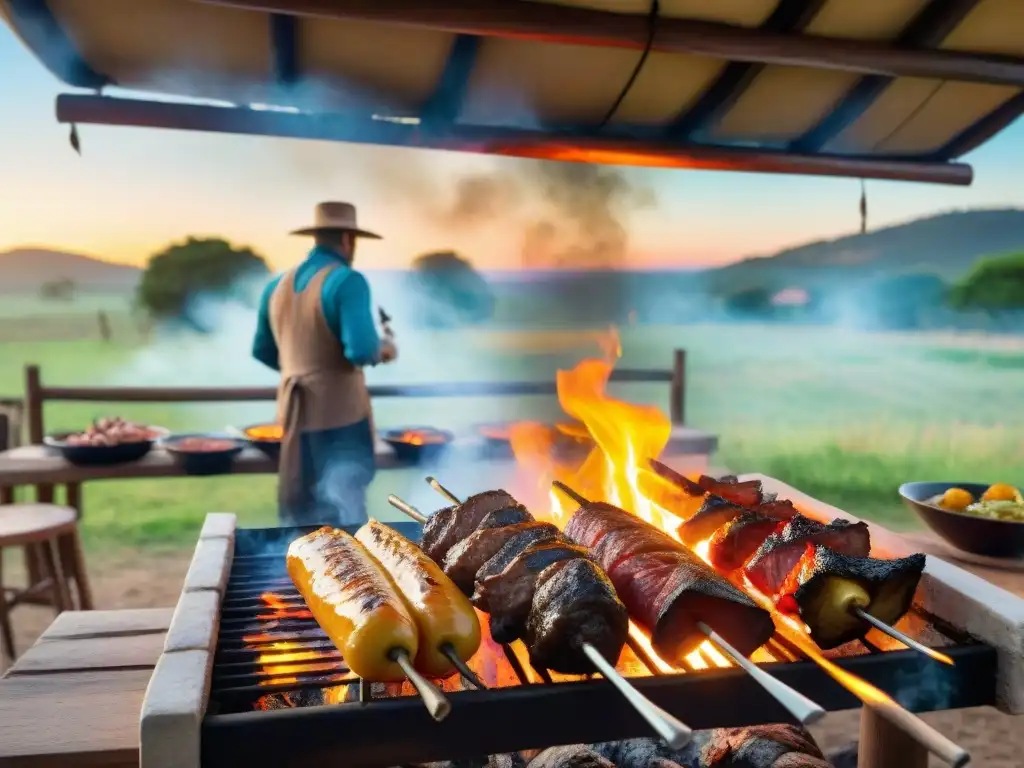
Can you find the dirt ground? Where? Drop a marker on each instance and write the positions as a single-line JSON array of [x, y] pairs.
[[129, 581]]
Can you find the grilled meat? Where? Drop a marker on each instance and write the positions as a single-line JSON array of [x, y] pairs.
[[444, 616], [466, 558], [574, 604], [780, 510], [513, 588], [355, 602], [572, 756], [450, 525], [779, 554], [527, 534], [746, 494], [680, 481], [733, 544], [666, 587], [826, 585], [712, 515]]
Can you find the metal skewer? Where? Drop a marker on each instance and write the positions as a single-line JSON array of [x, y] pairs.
[[447, 649], [437, 705], [895, 634], [675, 733], [802, 708]]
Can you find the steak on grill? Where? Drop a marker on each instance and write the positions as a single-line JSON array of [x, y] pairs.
[[466, 558], [528, 533], [734, 543], [450, 525]]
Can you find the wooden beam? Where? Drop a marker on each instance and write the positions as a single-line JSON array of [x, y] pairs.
[[565, 147], [929, 28], [539, 21], [977, 134], [284, 47], [35, 24], [443, 108], [788, 16]]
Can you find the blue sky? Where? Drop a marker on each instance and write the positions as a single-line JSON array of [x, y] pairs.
[[134, 190]]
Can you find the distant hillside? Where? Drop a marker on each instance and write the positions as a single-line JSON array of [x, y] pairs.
[[26, 269], [947, 245]]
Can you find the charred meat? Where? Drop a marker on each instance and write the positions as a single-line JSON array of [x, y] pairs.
[[746, 494], [736, 541], [826, 586], [682, 482], [779, 554], [450, 525], [526, 535], [513, 588], [712, 515], [666, 587], [574, 604], [465, 559]]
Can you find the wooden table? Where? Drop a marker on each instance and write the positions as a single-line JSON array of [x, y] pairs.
[[39, 465], [73, 699]]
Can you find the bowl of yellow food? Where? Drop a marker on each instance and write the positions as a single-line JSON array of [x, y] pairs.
[[973, 517], [266, 437]]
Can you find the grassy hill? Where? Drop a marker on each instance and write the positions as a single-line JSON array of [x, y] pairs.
[[947, 245], [25, 270]]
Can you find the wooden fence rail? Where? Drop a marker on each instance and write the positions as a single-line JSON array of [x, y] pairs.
[[37, 395]]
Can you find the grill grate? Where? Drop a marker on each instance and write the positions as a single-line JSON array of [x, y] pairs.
[[275, 673]]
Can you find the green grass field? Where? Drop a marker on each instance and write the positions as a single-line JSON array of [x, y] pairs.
[[845, 417]]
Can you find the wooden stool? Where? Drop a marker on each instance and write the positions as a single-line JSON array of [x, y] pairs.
[[49, 534]]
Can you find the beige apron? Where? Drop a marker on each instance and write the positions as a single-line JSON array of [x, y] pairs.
[[320, 388]]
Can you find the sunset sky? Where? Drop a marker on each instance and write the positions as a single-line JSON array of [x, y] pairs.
[[134, 190]]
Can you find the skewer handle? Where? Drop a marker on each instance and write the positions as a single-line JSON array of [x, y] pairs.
[[432, 481], [895, 634], [407, 509], [437, 705], [802, 708], [671, 730], [467, 674], [557, 484]]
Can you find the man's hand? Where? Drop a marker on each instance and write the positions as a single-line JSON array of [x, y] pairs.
[[388, 351]]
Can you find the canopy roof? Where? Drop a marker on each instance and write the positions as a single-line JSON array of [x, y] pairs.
[[869, 88]]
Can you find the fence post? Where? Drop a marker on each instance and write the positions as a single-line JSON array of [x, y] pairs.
[[677, 397], [34, 404]]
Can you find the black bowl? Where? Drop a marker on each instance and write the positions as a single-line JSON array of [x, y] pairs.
[[102, 455], [969, 533], [269, 448], [203, 462], [416, 453]]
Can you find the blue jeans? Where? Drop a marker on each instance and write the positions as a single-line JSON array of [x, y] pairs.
[[337, 466]]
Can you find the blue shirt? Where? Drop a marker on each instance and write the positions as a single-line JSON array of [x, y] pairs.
[[345, 299]]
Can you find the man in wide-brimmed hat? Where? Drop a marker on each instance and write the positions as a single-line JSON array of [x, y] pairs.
[[316, 327]]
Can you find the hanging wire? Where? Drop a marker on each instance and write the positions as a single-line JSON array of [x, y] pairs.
[[652, 28], [863, 207]]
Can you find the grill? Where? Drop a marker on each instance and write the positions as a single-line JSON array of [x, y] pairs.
[[280, 693]]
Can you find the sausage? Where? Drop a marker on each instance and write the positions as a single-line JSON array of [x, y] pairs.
[[443, 614], [354, 601]]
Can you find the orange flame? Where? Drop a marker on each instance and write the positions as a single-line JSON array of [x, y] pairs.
[[624, 436]]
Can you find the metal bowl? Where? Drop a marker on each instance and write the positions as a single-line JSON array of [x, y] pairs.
[[195, 462], [270, 447], [413, 452], [968, 533], [103, 455]]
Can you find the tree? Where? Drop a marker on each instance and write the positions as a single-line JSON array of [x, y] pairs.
[[995, 285], [62, 289], [179, 276], [450, 291], [754, 302]]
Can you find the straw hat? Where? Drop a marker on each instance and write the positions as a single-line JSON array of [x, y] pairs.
[[335, 216]]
